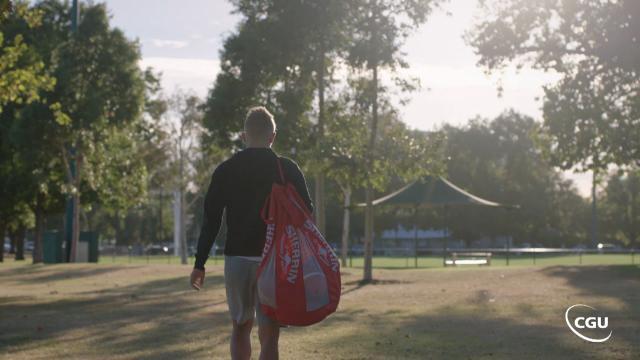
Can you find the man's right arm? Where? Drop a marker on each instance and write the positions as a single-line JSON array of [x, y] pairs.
[[214, 203]]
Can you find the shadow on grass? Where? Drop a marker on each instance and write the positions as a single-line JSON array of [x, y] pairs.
[[451, 335], [153, 319], [46, 273], [357, 284], [619, 282], [475, 327]]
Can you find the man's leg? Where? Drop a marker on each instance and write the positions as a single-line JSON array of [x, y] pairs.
[[269, 334], [239, 278], [241, 340]]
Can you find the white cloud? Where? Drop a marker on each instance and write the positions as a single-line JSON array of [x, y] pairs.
[[172, 44], [185, 73]]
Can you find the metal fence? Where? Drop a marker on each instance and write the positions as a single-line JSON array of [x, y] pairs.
[[409, 257], [434, 257]]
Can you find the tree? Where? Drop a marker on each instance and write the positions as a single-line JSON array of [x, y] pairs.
[[22, 73], [404, 155], [192, 161], [378, 28], [269, 64], [499, 159], [141, 219], [621, 205], [14, 208], [99, 87], [36, 169], [24, 77], [592, 115], [326, 30], [266, 63]]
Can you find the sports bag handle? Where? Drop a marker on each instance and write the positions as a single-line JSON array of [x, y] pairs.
[[267, 208], [280, 169]]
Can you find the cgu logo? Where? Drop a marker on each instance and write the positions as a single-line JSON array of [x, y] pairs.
[[591, 322]]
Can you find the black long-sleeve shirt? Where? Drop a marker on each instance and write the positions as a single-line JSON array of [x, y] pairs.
[[241, 185]]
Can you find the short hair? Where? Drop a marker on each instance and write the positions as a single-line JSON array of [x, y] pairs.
[[259, 122]]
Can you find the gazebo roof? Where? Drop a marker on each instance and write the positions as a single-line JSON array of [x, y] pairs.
[[433, 191]]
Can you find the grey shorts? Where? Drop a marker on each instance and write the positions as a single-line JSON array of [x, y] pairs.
[[240, 280]]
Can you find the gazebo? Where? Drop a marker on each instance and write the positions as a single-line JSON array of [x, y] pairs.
[[431, 192]]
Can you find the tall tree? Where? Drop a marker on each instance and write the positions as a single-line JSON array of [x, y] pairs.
[[24, 80], [325, 24], [378, 29], [189, 158], [266, 63], [592, 115], [404, 155], [99, 86]]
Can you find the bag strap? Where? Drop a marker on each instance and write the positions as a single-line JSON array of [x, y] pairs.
[[280, 170], [267, 208]]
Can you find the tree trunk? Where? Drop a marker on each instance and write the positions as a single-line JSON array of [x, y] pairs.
[[176, 222], [3, 229], [18, 238], [320, 210], [37, 241], [117, 226], [594, 211], [368, 233], [183, 231], [319, 202], [633, 223], [345, 225], [75, 231], [12, 244], [160, 231]]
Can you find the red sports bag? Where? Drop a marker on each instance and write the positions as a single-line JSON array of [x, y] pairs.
[[299, 276]]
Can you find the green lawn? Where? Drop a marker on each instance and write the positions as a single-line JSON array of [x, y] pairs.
[[392, 262], [389, 262], [122, 311]]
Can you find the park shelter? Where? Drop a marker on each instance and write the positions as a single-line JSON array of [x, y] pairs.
[[433, 191]]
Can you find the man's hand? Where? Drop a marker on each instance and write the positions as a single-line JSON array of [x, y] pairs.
[[197, 279]]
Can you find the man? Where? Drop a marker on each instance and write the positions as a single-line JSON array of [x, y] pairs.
[[240, 185]]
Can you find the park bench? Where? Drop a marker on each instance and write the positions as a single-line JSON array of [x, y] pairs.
[[468, 258]]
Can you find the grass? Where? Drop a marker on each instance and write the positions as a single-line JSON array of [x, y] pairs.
[[396, 262], [500, 260], [135, 311]]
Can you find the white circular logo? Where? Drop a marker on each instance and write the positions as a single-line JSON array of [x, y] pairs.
[[590, 322]]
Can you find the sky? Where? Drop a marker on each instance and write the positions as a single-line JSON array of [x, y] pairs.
[[183, 38]]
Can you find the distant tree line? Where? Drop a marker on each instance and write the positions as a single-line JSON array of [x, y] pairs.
[[80, 120]]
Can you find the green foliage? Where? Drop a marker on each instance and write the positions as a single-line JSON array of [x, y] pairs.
[[266, 63], [22, 73], [621, 209], [116, 172], [378, 28], [499, 160], [93, 103], [592, 115], [402, 155], [99, 82]]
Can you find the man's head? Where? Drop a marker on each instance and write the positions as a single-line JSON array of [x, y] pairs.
[[259, 128]]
